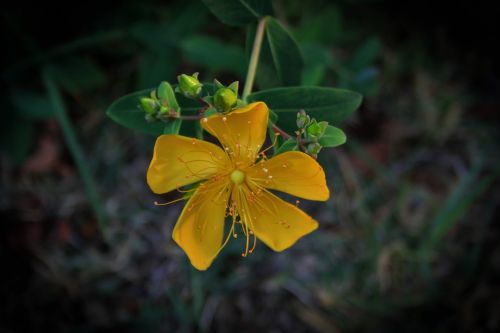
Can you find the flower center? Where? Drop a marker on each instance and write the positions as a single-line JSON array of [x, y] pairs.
[[237, 177]]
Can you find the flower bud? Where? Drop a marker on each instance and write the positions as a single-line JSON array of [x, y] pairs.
[[225, 99], [189, 85], [148, 104], [302, 119], [316, 130], [313, 149]]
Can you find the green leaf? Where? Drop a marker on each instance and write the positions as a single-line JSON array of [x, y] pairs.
[[156, 64], [77, 74], [214, 55], [239, 12], [166, 95], [32, 106], [317, 59], [288, 145], [125, 111], [16, 138], [366, 54], [324, 104], [173, 126], [285, 53], [332, 137], [266, 76]]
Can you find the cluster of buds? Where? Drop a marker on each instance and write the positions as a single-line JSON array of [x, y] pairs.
[[161, 104], [311, 131]]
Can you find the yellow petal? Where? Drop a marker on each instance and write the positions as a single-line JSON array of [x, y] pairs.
[[292, 172], [200, 228], [277, 223], [242, 131], [179, 160]]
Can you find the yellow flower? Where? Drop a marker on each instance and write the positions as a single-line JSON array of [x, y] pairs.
[[235, 181]]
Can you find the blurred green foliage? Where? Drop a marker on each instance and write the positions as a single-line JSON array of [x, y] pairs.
[[408, 242]]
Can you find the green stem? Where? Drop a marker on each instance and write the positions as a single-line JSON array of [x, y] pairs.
[[254, 58], [75, 149]]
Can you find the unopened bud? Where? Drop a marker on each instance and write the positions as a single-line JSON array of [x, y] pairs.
[[302, 119], [314, 148], [148, 104], [316, 130], [189, 85], [225, 99]]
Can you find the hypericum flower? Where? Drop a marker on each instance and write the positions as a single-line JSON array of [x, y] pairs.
[[235, 182]]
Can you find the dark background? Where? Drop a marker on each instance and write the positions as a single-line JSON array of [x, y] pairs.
[[407, 243]]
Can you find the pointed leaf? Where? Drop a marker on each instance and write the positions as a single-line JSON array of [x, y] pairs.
[[214, 54], [324, 104], [239, 12], [285, 53]]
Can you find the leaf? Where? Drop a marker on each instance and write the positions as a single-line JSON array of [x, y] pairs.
[[214, 55], [125, 111], [16, 138], [288, 145], [32, 106], [285, 53], [366, 54], [332, 137], [317, 59], [166, 94], [325, 104], [266, 76], [173, 126], [239, 12], [156, 64], [78, 74]]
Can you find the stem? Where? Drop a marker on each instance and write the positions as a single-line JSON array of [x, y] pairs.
[[254, 58], [75, 149], [300, 142], [284, 134]]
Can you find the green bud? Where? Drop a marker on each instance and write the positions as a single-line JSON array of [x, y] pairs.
[[225, 99], [190, 86], [148, 104], [302, 119], [313, 149], [316, 130]]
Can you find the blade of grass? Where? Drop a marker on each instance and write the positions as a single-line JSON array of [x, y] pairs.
[[465, 194], [75, 149]]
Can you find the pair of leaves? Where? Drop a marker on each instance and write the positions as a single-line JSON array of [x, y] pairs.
[[280, 62], [333, 137], [328, 104], [126, 112]]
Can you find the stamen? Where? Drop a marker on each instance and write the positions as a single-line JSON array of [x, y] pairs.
[[168, 203]]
